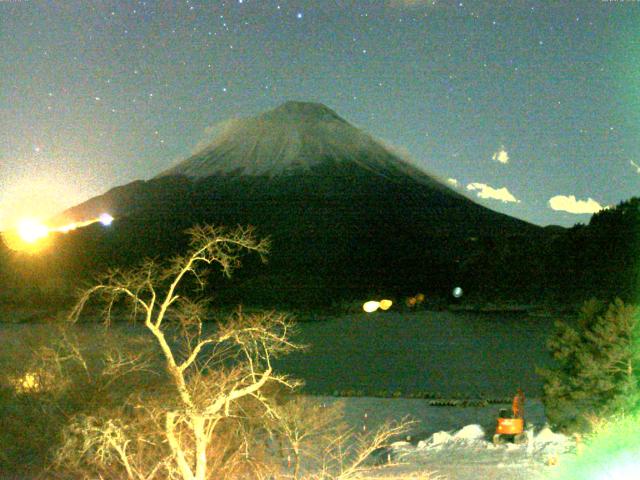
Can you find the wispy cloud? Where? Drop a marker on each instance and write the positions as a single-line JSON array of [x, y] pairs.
[[213, 132], [570, 204], [501, 156], [486, 191], [453, 182], [635, 165]]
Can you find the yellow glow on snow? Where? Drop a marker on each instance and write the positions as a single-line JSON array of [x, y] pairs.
[[27, 383], [371, 306]]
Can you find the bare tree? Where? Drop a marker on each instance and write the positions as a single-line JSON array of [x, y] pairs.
[[347, 456], [217, 408], [308, 428], [214, 377]]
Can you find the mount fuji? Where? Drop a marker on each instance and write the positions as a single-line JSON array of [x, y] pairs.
[[345, 214]]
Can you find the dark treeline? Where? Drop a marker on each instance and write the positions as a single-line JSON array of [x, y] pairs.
[[330, 248], [564, 266]]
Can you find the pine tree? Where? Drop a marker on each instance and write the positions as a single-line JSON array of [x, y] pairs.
[[598, 366]]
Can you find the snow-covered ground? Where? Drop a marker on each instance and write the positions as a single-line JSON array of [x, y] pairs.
[[446, 353], [455, 442]]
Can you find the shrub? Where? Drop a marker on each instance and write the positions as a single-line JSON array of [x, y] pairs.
[[598, 366]]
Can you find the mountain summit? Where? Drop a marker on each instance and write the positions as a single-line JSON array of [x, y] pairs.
[[291, 139]]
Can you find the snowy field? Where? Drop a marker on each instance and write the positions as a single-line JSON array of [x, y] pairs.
[[455, 442]]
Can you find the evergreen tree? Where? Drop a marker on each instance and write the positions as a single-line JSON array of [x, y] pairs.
[[598, 365]]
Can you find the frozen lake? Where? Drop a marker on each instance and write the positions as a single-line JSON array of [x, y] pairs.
[[450, 353], [446, 353]]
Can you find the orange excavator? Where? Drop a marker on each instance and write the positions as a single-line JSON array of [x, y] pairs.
[[511, 427]]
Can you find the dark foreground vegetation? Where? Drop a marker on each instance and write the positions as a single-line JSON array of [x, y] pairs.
[[597, 372], [177, 402]]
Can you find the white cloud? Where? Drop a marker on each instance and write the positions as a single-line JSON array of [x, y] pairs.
[[403, 152], [214, 132], [453, 182], [635, 165], [486, 191], [570, 204], [501, 156]]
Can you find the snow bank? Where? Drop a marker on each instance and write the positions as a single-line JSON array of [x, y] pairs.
[[547, 436], [470, 432], [469, 444]]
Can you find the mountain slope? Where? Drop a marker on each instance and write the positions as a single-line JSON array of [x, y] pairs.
[[344, 213]]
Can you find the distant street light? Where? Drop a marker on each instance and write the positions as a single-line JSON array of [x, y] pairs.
[[371, 306], [105, 219]]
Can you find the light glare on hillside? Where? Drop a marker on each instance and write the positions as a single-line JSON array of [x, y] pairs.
[[30, 234], [31, 230]]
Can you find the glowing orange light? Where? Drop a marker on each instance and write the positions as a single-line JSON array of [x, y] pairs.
[[420, 298], [32, 230], [30, 235]]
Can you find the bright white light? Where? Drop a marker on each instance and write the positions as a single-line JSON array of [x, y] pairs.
[[105, 219], [624, 467], [371, 306], [457, 292], [31, 230]]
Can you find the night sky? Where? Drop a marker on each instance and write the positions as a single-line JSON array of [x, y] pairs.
[[524, 101]]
